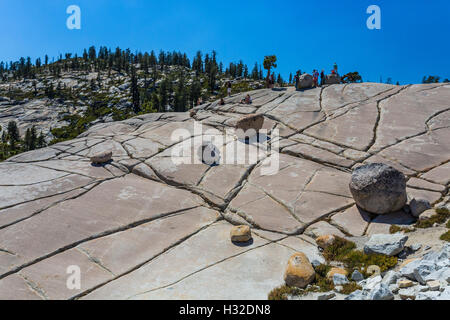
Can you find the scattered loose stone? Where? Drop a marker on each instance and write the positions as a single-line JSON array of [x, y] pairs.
[[409, 293], [415, 247], [371, 282], [378, 188], [299, 272], [357, 276], [101, 157], [431, 295], [357, 295], [325, 241], [387, 244], [394, 288], [339, 279], [418, 206], [240, 233], [427, 214], [336, 270], [381, 292], [434, 285], [391, 277], [373, 270], [404, 284], [326, 295]]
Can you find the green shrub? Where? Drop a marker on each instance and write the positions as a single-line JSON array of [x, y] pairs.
[[445, 236], [442, 214], [394, 229], [282, 292], [339, 249], [350, 287]]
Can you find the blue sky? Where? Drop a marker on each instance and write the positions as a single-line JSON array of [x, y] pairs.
[[413, 40]]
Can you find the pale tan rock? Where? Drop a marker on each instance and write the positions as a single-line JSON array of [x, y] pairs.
[[240, 233], [405, 283], [101, 157], [373, 270], [427, 214], [433, 285], [407, 261], [325, 241], [299, 272], [336, 270]]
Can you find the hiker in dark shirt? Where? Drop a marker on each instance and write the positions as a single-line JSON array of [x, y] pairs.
[[322, 78], [296, 79], [229, 88]]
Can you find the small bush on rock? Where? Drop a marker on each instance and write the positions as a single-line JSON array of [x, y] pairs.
[[282, 292], [445, 236], [350, 287], [442, 214], [339, 249]]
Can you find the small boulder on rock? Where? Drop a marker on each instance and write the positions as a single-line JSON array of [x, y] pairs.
[[418, 206], [299, 272], [101, 157], [240, 233], [325, 241], [387, 244], [336, 270], [378, 188]]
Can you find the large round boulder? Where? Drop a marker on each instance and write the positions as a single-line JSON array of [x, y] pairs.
[[305, 81], [378, 188]]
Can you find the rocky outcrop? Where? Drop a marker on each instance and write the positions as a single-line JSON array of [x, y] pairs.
[[378, 188], [332, 79], [150, 224]]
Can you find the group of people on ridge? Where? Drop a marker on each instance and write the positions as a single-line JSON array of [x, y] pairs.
[[315, 75]]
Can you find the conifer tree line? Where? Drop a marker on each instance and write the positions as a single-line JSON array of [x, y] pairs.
[[105, 59], [11, 143], [173, 91]]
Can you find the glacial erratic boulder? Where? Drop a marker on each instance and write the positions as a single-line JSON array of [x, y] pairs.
[[332, 79], [305, 81], [101, 157], [299, 272], [378, 188], [240, 233]]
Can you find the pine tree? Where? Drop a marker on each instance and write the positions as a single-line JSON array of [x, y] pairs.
[[13, 134], [134, 91]]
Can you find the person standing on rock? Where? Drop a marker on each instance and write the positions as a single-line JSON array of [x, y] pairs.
[[229, 88], [316, 78], [322, 78], [335, 68], [296, 79]]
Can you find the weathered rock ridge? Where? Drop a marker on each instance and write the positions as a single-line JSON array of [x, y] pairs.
[[143, 226]]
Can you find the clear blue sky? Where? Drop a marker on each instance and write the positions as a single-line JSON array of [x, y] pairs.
[[413, 40]]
